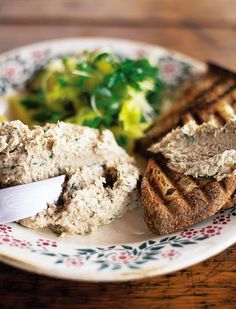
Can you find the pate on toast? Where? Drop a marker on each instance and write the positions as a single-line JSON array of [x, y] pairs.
[[171, 200], [213, 96]]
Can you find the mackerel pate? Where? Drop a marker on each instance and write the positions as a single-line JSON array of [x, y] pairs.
[[31, 155], [101, 178], [92, 195], [201, 150]]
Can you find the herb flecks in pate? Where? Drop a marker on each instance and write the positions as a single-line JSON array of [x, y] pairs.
[[201, 150]]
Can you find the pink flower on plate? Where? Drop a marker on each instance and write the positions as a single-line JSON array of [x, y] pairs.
[[38, 55], [74, 261], [120, 257], [170, 70], [13, 71], [221, 219], [46, 243], [208, 231], [171, 254], [23, 244], [9, 72], [5, 229], [211, 230], [5, 240], [14, 242], [189, 233]]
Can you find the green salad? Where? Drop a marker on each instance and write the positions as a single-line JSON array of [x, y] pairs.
[[99, 90]]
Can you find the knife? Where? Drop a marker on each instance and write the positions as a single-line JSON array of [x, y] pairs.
[[23, 201]]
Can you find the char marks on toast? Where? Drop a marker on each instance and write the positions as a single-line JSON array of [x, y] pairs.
[[173, 201]]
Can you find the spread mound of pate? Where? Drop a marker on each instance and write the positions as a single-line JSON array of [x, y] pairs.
[[101, 182], [201, 150]]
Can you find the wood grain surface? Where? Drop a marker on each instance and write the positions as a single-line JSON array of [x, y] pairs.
[[205, 29]]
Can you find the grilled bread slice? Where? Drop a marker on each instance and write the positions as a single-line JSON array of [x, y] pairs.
[[173, 201], [213, 96]]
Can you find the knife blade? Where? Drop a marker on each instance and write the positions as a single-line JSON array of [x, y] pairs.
[[23, 201]]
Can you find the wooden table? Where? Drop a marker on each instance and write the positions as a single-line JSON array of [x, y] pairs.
[[204, 29]]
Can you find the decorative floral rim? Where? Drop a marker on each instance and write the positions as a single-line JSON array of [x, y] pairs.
[[118, 262], [17, 66], [158, 255]]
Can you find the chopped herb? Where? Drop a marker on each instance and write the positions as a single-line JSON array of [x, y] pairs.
[[92, 123], [122, 140], [51, 155], [189, 138], [30, 103], [74, 187]]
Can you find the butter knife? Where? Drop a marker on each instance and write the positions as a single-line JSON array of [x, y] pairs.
[[23, 201]]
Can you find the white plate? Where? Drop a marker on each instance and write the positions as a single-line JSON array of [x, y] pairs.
[[125, 249]]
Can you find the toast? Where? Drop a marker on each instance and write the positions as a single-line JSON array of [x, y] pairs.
[[173, 201], [212, 96]]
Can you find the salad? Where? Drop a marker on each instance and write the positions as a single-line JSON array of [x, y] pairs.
[[95, 89]]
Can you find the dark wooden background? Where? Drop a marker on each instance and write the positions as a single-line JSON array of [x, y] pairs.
[[205, 29]]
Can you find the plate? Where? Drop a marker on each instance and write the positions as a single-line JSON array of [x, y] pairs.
[[125, 249]]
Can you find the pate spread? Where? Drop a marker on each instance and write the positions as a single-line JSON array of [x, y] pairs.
[[101, 178], [201, 150]]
